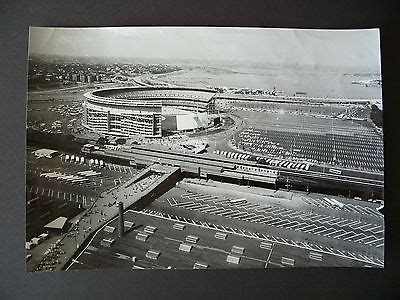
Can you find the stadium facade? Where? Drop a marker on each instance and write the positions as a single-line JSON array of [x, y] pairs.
[[128, 111]]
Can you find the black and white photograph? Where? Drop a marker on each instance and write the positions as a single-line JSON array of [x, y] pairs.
[[203, 148]]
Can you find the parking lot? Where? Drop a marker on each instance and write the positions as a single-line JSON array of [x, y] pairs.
[[156, 241], [359, 151], [281, 217], [57, 187], [297, 219]]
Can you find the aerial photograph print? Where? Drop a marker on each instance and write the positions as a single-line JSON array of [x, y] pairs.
[[203, 148]]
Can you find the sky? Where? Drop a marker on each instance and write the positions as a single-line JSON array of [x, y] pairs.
[[347, 48]]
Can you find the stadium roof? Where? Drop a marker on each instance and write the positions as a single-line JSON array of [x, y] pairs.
[[142, 93]]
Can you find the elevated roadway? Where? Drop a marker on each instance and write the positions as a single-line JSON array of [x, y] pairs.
[[225, 167]]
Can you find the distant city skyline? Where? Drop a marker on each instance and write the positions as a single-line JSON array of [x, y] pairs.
[[338, 48]]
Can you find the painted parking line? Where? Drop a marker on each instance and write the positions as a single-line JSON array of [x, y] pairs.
[[336, 231], [352, 223], [207, 209], [371, 211], [239, 205], [315, 218], [305, 217], [333, 221], [266, 220], [342, 223], [329, 249], [356, 209], [293, 214], [169, 202], [365, 257], [323, 219], [356, 225], [365, 239], [363, 210], [267, 209], [193, 197], [323, 228], [253, 218], [270, 221], [374, 241], [227, 212], [237, 214], [380, 245], [288, 242], [242, 215], [351, 255], [259, 218], [327, 231], [311, 229], [186, 195], [279, 210], [287, 213], [338, 234], [282, 222], [380, 261], [374, 229], [355, 236], [194, 206], [306, 227], [217, 211], [364, 227], [378, 231], [275, 221], [184, 204], [249, 216], [222, 201], [292, 227], [287, 223]]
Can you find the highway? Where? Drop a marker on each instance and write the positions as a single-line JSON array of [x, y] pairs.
[[214, 165]]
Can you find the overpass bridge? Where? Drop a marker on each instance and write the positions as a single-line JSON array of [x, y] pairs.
[[294, 99], [206, 166]]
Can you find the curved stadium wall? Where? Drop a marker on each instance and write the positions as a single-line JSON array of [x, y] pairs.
[[137, 110]]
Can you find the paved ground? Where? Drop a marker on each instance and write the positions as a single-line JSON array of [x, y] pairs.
[[102, 210], [275, 229], [208, 247], [56, 196], [354, 150], [355, 227]]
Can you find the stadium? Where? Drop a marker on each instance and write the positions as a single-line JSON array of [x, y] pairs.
[[148, 111]]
